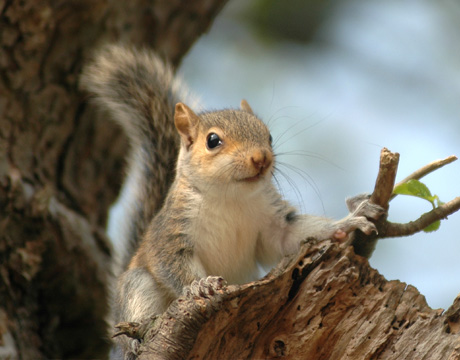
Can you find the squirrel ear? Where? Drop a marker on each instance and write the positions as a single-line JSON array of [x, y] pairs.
[[186, 122], [245, 106]]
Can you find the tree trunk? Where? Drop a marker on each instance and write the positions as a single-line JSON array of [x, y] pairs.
[[60, 168]]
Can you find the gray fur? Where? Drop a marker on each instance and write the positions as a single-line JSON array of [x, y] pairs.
[[222, 216]]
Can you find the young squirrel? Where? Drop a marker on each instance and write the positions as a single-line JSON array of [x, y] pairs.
[[222, 214]]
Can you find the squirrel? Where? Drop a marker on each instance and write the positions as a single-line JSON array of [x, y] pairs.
[[222, 214]]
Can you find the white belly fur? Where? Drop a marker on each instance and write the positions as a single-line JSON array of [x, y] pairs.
[[226, 237]]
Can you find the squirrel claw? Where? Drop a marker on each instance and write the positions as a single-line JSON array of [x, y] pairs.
[[206, 287], [130, 329]]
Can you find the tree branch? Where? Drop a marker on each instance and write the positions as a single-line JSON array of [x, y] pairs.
[[425, 170], [441, 212], [383, 193]]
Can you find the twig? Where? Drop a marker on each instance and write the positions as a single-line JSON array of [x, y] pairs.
[[425, 170], [383, 193], [390, 229]]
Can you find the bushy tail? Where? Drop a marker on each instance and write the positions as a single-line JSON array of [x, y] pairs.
[[139, 91]]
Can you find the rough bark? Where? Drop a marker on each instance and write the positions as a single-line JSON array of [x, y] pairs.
[[326, 303], [60, 169]]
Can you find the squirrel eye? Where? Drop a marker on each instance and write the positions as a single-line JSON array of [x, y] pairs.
[[213, 141], [270, 139]]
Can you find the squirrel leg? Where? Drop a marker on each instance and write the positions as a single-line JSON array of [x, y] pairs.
[[297, 228], [139, 296]]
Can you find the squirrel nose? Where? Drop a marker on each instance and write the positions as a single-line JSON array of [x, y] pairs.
[[261, 160]]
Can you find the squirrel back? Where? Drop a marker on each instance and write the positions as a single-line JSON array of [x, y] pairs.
[[138, 90]]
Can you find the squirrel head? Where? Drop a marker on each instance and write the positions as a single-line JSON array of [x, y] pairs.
[[231, 147]]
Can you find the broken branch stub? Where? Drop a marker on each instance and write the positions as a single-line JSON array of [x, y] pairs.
[[386, 178], [363, 244]]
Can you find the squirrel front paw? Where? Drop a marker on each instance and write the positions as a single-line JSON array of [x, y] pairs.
[[206, 287], [350, 224], [362, 211]]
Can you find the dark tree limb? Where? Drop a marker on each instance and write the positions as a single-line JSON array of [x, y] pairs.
[[170, 27]]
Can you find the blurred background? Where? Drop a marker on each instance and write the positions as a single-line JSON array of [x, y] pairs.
[[336, 81]]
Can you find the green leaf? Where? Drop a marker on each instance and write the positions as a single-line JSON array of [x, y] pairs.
[[433, 227], [417, 189], [420, 190]]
